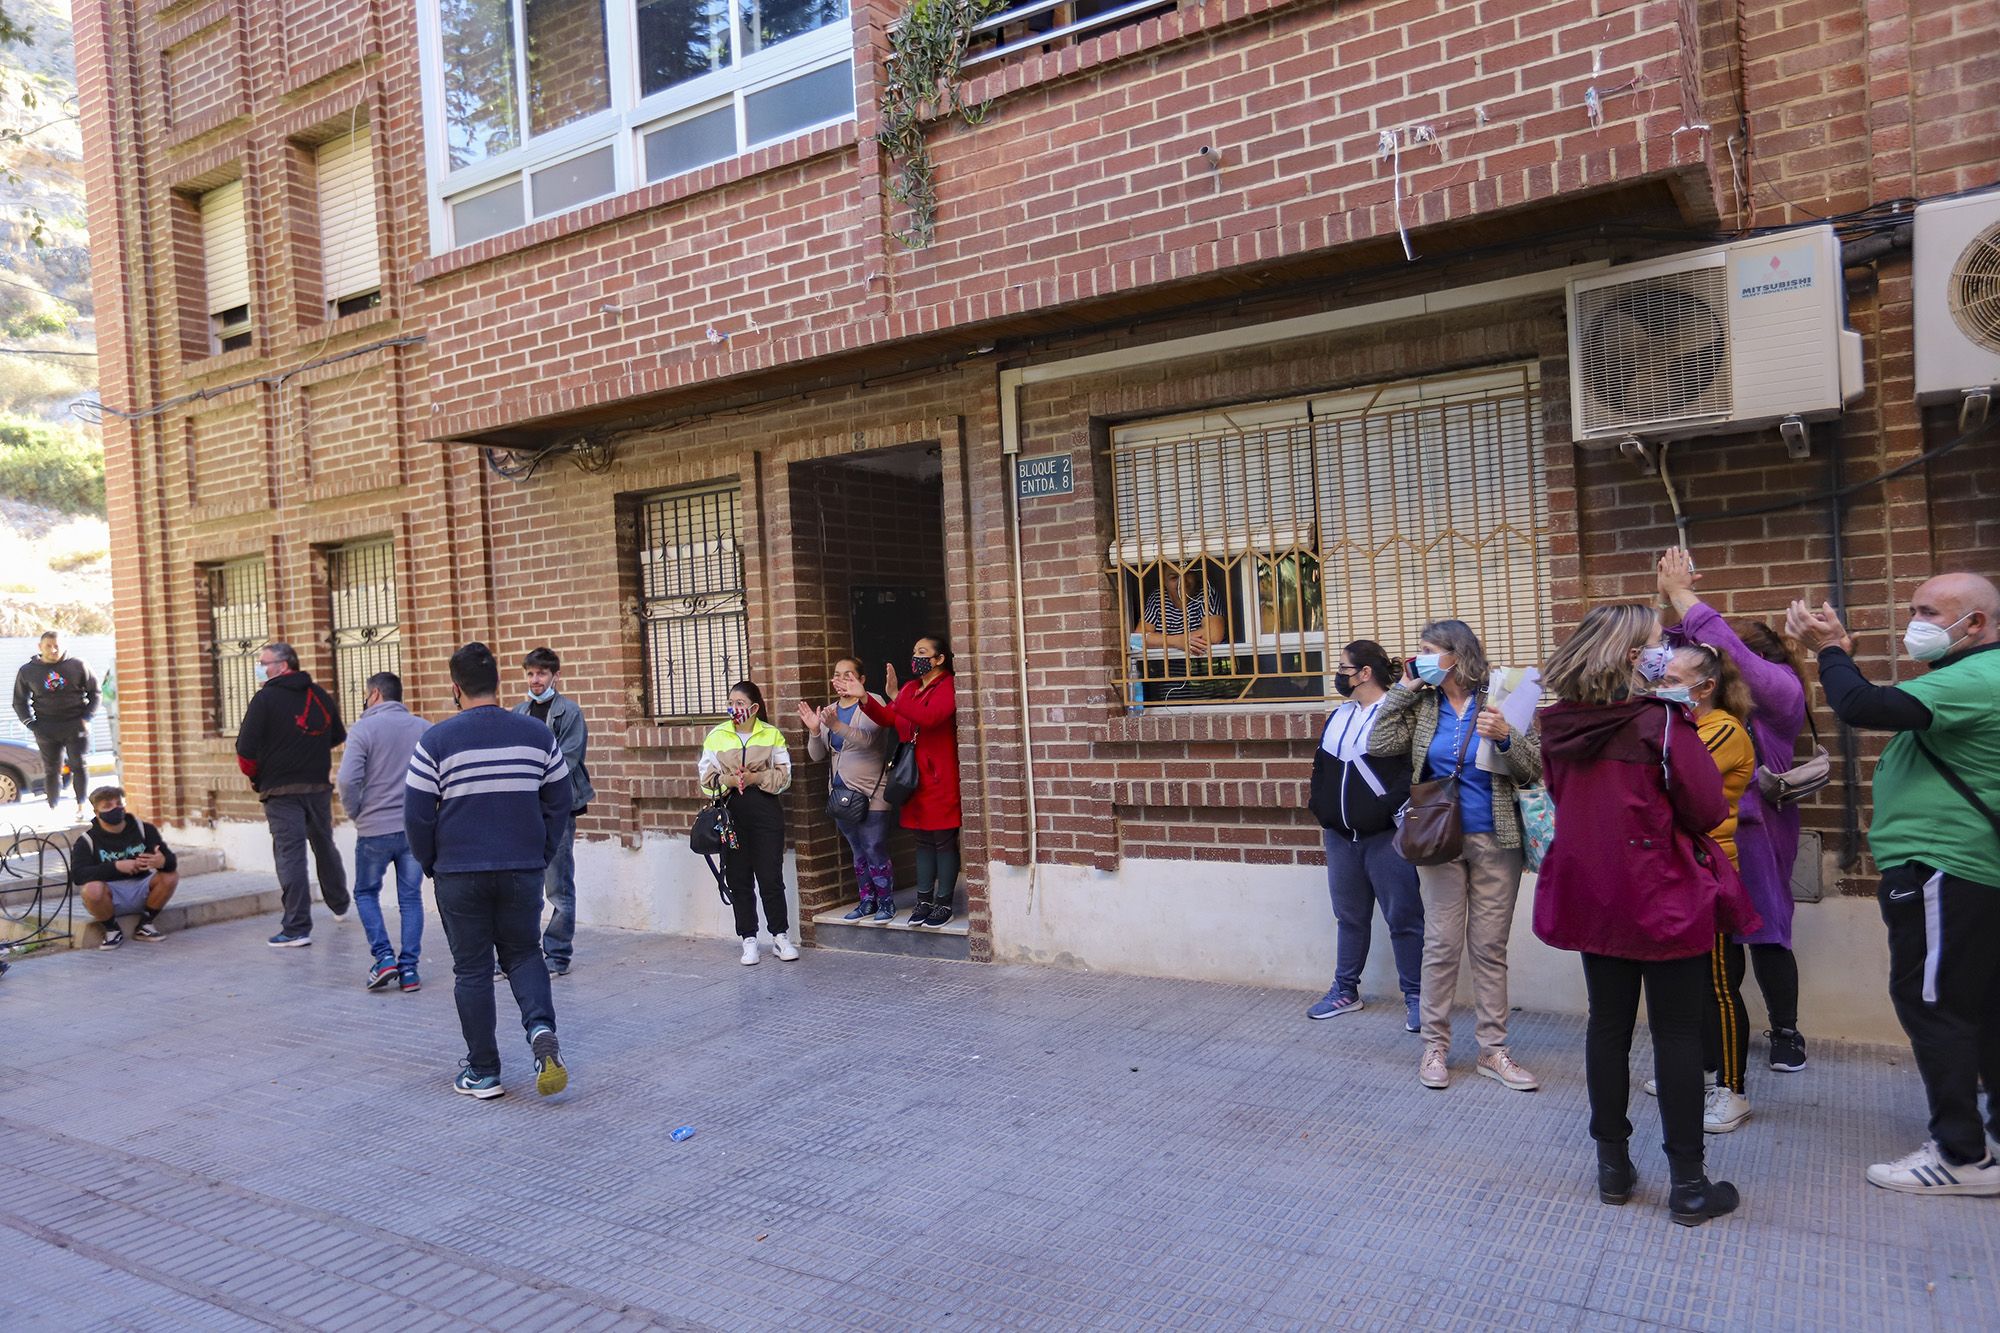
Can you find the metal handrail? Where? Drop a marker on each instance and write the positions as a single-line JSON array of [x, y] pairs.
[[43, 849]]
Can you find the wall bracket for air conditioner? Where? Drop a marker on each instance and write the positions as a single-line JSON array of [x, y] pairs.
[[1798, 443]]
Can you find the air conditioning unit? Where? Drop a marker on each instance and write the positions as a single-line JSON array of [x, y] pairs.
[[1956, 300], [1724, 339]]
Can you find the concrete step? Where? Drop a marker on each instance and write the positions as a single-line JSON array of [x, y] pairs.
[[951, 940]]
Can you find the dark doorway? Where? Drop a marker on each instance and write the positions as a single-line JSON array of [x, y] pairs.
[[868, 551]]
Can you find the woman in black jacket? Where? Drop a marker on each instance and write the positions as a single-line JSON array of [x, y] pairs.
[[1355, 798]]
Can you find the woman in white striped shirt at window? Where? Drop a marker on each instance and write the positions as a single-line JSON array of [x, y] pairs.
[[1181, 623]]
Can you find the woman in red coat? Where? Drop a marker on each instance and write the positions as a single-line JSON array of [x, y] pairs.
[[926, 711], [1634, 883]]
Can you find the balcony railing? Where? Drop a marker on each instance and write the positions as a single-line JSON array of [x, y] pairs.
[[1039, 26]]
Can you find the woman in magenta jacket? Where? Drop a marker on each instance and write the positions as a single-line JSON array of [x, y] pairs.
[[1635, 884], [1767, 834], [926, 710]]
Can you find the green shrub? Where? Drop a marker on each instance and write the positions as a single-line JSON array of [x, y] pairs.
[[53, 466]]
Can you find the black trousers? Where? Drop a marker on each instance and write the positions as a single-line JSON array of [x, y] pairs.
[[1777, 970], [297, 823], [53, 748], [760, 856], [937, 865], [1944, 979], [1675, 994], [1725, 1023]]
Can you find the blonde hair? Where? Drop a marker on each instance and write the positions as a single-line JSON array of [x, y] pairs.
[[1594, 665], [1732, 692]]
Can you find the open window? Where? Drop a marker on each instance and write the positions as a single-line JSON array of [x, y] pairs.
[[1251, 544], [225, 255]]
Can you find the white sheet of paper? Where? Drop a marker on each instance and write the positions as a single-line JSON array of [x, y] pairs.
[[1515, 692]]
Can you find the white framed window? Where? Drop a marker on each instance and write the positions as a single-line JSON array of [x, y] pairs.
[[536, 107], [350, 247], [225, 260], [1278, 532]]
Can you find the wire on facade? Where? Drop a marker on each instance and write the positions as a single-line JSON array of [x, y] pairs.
[[275, 381]]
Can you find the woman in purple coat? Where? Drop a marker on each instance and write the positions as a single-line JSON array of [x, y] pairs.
[[1635, 883], [1767, 834]]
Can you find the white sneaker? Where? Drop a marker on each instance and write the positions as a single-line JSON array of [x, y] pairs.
[[784, 948], [1926, 1172], [1652, 1085], [750, 952], [1724, 1110]]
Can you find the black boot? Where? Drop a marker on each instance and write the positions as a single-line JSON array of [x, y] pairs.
[[1696, 1198], [1616, 1176]]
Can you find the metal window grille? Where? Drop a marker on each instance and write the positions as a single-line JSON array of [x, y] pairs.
[[239, 624], [366, 633], [693, 629], [1252, 544], [1035, 26]]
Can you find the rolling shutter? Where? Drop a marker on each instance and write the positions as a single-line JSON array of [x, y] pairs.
[[225, 256], [350, 254]]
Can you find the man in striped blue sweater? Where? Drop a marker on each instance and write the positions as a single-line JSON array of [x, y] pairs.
[[487, 797]]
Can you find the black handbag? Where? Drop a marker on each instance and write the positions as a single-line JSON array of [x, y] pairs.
[[899, 781], [714, 835]]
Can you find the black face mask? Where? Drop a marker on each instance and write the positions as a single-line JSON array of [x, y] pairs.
[[112, 817], [1344, 684]]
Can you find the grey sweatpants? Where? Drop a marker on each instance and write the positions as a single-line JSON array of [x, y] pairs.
[[296, 823]]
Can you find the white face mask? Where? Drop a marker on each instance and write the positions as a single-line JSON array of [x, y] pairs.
[[1652, 661], [1927, 642], [263, 672], [1676, 694]]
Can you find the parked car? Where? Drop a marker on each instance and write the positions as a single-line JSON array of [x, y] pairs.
[[20, 771]]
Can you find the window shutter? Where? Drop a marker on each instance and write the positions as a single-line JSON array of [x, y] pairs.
[[350, 251], [225, 256]]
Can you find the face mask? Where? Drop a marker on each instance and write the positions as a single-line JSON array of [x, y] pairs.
[[1344, 685], [263, 672], [1428, 669], [1674, 694], [542, 696], [115, 815], [921, 666], [1927, 642], [738, 715], [1652, 663]]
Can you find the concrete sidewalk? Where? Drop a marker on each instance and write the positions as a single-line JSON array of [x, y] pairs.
[[208, 1133]]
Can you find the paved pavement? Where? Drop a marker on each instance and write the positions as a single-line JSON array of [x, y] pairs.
[[211, 1134]]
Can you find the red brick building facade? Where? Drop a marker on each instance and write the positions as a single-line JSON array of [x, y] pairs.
[[1287, 229]]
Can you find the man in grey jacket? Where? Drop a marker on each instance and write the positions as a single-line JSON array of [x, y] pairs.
[[372, 775], [556, 710]]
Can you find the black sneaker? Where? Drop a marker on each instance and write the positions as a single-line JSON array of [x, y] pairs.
[[113, 937], [1788, 1049], [147, 933], [919, 915], [939, 915]]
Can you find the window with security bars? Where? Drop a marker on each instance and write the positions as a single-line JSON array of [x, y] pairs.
[[1252, 544], [366, 632], [693, 630], [239, 624]]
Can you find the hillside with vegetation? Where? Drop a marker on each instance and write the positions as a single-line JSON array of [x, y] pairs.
[[54, 544]]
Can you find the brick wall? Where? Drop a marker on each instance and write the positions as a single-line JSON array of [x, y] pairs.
[[1077, 219]]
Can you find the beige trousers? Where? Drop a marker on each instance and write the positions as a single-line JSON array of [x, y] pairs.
[[1469, 908]]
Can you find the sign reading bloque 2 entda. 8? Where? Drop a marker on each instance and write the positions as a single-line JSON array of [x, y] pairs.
[[1049, 474]]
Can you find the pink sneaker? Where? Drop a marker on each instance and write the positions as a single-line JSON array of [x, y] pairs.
[[1500, 1067], [1432, 1073]]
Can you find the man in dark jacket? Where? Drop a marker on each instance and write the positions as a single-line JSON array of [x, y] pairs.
[[285, 747], [55, 697], [548, 705], [122, 867]]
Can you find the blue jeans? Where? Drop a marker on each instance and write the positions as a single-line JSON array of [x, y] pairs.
[[1359, 875], [372, 858], [558, 940], [869, 842], [484, 913]]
